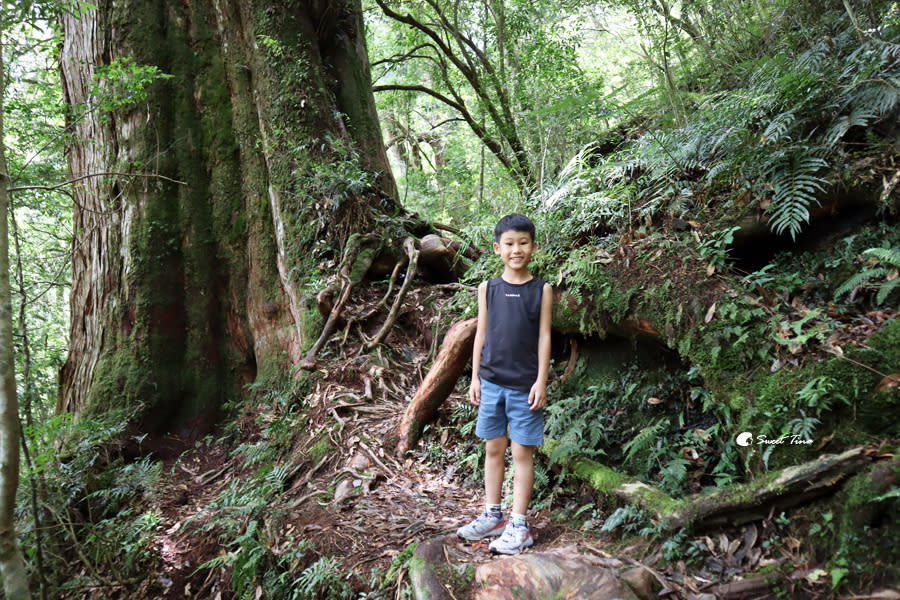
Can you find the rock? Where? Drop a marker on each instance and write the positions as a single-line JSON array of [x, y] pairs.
[[562, 573], [643, 582], [343, 491], [360, 462]]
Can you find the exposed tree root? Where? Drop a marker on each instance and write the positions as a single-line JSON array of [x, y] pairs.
[[427, 560], [433, 258], [409, 245], [453, 357], [354, 265], [573, 359]]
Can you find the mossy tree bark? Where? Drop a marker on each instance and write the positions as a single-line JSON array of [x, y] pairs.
[[203, 209]]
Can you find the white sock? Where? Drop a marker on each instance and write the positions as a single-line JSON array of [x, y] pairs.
[[493, 509], [517, 520]]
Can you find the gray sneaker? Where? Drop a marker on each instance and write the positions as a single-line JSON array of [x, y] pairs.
[[514, 540], [484, 525]]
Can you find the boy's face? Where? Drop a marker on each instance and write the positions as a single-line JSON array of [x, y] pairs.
[[515, 248]]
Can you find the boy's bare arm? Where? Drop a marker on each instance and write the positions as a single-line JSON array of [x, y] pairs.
[[538, 396], [475, 386]]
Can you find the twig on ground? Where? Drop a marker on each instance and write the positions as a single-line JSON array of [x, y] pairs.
[[371, 454]]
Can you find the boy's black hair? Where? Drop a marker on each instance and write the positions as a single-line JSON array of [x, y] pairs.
[[514, 222]]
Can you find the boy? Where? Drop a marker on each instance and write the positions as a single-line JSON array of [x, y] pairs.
[[510, 364]]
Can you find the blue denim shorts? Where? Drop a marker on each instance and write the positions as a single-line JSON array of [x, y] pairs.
[[501, 408]]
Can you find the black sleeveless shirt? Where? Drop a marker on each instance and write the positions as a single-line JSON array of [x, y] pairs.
[[509, 356]]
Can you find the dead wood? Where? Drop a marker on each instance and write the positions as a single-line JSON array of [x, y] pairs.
[[428, 556], [751, 588], [455, 353], [789, 487], [442, 259], [733, 506]]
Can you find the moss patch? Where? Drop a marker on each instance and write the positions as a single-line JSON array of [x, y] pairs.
[[320, 449]]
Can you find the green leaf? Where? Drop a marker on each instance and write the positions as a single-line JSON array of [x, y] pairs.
[[837, 575]]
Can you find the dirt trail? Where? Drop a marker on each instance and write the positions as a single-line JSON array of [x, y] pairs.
[[384, 506]]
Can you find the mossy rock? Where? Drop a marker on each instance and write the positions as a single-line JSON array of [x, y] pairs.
[[856, 531]]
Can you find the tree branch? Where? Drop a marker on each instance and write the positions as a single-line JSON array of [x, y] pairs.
[[492, 144], [419, 88], [506, 123], [683, 24], [51, 188], [397, 58], [518, 169]]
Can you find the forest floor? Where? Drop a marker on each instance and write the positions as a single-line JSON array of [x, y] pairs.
[[363, 504]]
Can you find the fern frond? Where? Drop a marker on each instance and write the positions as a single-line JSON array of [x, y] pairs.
[[570, 180], [888, 255], [778, 128], [645, 438], [716, 169], [813, 59], [859, 116], [890, 52], [254, 453], [879, 97], [795, 188], [622, 515], [858, 279], [885, 289]]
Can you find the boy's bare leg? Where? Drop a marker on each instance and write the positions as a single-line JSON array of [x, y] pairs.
[[494, 468], [490, 523], [523, 477]]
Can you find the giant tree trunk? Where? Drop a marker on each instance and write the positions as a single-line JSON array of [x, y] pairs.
[[221, 193]]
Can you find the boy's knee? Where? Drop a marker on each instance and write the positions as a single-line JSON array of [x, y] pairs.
[[495, 446], [521, 452]]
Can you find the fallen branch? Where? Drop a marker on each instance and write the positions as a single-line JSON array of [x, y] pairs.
[[443, 259], [889, 187], [441, 379], [732, 506], [751, 587], [752, 501]]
